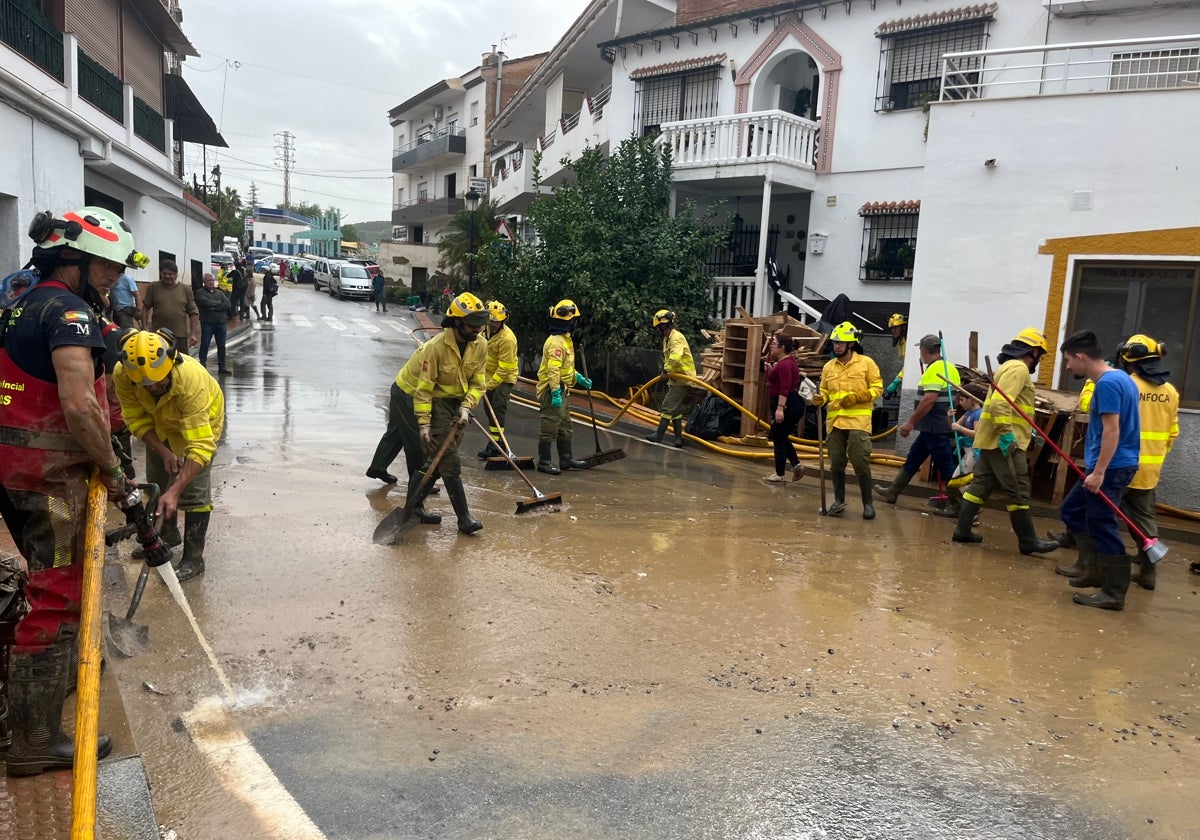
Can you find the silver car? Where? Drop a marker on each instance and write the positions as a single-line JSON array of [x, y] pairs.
[[349, 280]]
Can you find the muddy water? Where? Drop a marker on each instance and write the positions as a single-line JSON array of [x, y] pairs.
[[682, 651]]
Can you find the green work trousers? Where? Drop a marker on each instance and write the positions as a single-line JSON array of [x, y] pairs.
[[677, 401], [853, 445], [196, 497], [992, 470], [1139, 505], [555, 422]]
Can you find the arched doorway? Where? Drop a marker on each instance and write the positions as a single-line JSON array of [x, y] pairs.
[[788, 82]]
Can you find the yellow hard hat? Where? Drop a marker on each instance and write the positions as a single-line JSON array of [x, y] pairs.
[[897, 320], [468, 307], [1140, 347], [148, 355], [496, 310], [564, 310], [1031, 338], [846, 332], [664, 316]]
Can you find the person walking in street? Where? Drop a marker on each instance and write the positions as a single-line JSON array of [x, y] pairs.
[[1110, 457], [54, 429], [251, 295], [125, 301], [1001, 439], [378, 293], [270, 288], [175, 406], [850, 384], [785, 404], [930, 419], [214, 306], [556, 375], [432, 397], [170, 304], [677, 358], [500, 373], [237, 298]]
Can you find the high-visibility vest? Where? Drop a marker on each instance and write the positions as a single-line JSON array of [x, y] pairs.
[[1158, 410]]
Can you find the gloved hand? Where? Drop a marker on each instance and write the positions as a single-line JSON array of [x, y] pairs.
[[582, 381], [808, 390], [818, 398], [556, 398], [893, 388], [863, 396], [464, 416], [427, 438], [1008, 443]]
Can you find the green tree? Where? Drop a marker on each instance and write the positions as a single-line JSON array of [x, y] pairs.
[[349, 233], [230, 213], [313, 211], [455, 243]]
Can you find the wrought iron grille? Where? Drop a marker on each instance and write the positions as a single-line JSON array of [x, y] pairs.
[[910, 63], [148, 124], [101, 88], [678, 96], [889, 246], [24, 29], [738, 256], [1155, 69]]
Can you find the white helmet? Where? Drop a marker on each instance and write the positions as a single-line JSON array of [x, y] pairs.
[[92, 230]]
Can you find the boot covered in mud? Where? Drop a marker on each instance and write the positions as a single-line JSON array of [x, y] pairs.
[[1085, 563], [1114, 572], [458, 498], [657, 435], [195, 531], [1027, 538], [966, 521], [545, 465], [37, 687], [423, 516], [677, 427], [891, 492], [864, 488], [1065, 539], [566, 460], [1147, 574], [168, 532], [953, 506], [838, 480]]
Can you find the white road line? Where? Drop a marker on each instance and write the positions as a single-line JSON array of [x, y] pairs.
[[245, 774], [366, 325], [301, 321], [333, 322], [398, 327]]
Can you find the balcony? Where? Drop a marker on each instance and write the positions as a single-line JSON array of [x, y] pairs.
[[423, 210], [444, 147], [148, 124], [101, 88], [741, 145], [34, 37]]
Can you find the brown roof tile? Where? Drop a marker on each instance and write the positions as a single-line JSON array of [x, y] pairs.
[[976, 12]]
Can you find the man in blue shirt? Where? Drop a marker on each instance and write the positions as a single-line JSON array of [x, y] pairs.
[[1110, 459], [125, 301]]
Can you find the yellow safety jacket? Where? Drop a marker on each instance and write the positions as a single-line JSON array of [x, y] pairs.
[[188, 418], [501, 358], [439, 371], [677, 354], [998, 416], [224, 283], [558, 364], [1159, 414], [840, 380]]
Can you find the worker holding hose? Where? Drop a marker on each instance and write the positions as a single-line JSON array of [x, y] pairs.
[[677, 358]]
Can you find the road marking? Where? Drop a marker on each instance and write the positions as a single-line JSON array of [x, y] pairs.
[[245, 774], [366, 325], [397, 326], [333, 322], [301, 321]]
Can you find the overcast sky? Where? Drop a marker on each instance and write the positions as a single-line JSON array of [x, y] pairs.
[[328, 71]]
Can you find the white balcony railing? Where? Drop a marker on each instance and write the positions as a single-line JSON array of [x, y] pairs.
[[731, 292], [759, 137], [1087, 67]]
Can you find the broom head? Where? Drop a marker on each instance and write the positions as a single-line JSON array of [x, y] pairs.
[[499, 462], [543, 500], [1154, 550], [606, 457]]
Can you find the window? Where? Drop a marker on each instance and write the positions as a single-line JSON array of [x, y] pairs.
[[1155, 69], [678, 96], [1160, 300], [474, 170], [452, 125], [910, 62], [889, 244], [475, 112]]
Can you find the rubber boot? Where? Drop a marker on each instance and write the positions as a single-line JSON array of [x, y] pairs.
[[891, 492], [168, 531], [566, 460], [838, 480], [37, 687], [1114, 573], [458, 498], [195, 528], [544, 464], [1147, 574], [966, 520], [1065, 539], [657, 435], [489, 451], [1089, 575], [864, 487], [1027, 538], [677, 427], [953, 507], [423, 516], [1086, 559]]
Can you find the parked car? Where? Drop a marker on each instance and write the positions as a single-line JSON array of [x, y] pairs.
[[298, 275], [349, 280], [259, 253], [261, 265]]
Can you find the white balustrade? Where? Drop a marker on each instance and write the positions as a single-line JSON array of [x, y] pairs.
[[730, 293], [759, 137]]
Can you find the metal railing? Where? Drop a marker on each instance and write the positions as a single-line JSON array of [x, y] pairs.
[[568, 123], [34, 37], [149, 125], [101, 88], [425, 138], [764, 136], [599, 101], [731, 292], [1085, 67]]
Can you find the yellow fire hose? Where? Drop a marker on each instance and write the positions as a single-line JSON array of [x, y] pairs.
[[87, 708]]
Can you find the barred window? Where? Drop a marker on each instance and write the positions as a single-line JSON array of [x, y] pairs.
[[675, 97], [1155, 69], [910, 63], [889, 246]]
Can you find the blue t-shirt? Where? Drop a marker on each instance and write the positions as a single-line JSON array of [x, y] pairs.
[[970, 419], [1116, 394], [123, 294]]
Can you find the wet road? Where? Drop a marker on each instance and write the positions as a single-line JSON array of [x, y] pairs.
[[682, 652]]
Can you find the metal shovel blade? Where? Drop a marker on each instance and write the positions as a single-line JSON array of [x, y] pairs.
[[125, 636], [394, 526]]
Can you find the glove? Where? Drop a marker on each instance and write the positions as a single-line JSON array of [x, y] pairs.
[[464, 416], [556, 398], [863, 396], [818, 398], [808, 390], [427, 438], [893, 388], [582, 381], [1007, 443]]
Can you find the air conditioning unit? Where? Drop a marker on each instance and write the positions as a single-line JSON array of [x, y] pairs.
[[437, 113]]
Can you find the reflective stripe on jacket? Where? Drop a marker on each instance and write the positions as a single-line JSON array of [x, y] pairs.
[[188, 418], [558, 363], [840, 380], [1158, 410], [677, 354], [501, 358], [998, 416], [438, 370]]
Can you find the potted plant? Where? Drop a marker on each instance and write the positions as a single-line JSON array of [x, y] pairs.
[[907, 255]]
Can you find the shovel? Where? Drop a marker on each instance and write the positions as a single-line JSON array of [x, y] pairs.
[[400, 520], [540, 499], [598, 457], [506, 460], [126, 637]]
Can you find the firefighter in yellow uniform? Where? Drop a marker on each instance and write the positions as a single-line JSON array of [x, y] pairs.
[[500, 373], [556, 375], [1141, 357], [850, 384], [677, 358], [898, 324], [1001, 438]]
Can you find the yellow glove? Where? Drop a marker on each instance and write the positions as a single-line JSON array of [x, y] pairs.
[[818, 399]]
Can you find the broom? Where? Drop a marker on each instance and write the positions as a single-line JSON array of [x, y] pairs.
[[507, 460], [540, 499], [598, 457]]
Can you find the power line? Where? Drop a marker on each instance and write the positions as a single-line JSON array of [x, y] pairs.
[[338, 82]]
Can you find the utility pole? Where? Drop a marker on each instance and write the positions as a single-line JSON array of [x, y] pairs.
[[216, 173], [285, 159]]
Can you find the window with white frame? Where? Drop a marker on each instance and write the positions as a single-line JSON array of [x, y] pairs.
[[675, 97], [1161, 300], [889, 241], [475, 112], [1155, 69], [910, 62]]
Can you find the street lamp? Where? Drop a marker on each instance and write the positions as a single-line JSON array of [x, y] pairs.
[[472, 198]]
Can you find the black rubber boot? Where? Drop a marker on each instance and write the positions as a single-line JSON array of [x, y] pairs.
[[37, 687], [544, 463], [966, 520], [1027, 538], [1085, 561], [383, 475], [423, 516], [1065, 539], [566, 460], [864, 489], [458, 498], [489, 451], [953, 507], [677, 428], [1147, 574], [168, 531], [838, 480], [195, 529], [1090, 575], [891, 492], [1114, 571], [657, 435]]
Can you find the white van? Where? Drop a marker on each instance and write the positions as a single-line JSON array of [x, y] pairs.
[[340, 278]]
